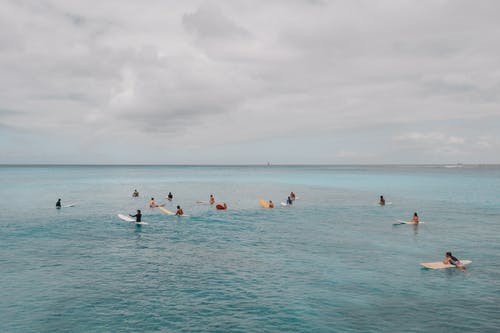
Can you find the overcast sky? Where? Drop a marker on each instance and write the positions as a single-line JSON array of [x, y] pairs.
[[284, 81]]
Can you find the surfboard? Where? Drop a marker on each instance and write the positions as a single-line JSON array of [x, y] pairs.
[[285, 204], [406, 222], [440, 265], [166, 211], [263, 203], [130, 219], [201, 202], [70, 205]]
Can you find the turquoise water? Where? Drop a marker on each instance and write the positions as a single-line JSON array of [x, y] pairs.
[[331, 263]]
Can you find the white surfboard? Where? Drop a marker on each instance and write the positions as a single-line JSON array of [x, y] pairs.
[[166, 211], [201, 202], [406, 222], [440, 265], [70, 205], [285, 204], [129, 219]]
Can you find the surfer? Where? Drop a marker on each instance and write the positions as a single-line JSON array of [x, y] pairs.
[[170, 196], [211, 200], [179, 211], [382, 201], [292, 195], [58, 204], [152, 203], [289, 201], [221, 207], [137, 216], [415, 218], [135, 194], [452, 260], [271, 204]]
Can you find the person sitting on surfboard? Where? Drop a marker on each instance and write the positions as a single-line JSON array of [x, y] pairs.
[[289, 201], [271, 204], [58, 203], [135, 194], [382, 201], [170, 196], [452, 260], [415, 218], [152, 203], [137, 216], [211, 200], [179, 211], [221, 207], [292, 195]]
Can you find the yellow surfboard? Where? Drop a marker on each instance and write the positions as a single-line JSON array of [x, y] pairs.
[[166, 211], [263, 203]]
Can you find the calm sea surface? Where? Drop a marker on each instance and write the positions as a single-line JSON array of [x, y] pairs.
[[333, 262]]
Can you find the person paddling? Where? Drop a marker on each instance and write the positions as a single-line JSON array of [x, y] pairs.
[[452, 260], [271, 204], [58, 204], [179, 211], [382, 201], [211, 200], [415, 218]]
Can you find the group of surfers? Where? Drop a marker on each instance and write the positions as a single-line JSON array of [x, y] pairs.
[[450, 259]]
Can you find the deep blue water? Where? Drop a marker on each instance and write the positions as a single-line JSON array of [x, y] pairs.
[[331, 263]]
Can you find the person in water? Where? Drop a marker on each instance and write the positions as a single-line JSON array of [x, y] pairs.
[[415, 218], [58, 203], [212, 199], [170, 196], [179, 211], [452, 260], [137, 216], [292, 196], [382, 201], [289, 201], [152, 203], [271, 204], [135, 194]]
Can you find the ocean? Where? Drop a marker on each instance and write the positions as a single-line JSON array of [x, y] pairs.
[[332, 262]]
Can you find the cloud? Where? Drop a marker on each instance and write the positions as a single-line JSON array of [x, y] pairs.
[[200, 74]]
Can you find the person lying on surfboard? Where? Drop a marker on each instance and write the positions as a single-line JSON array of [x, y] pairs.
[[382, 201], [211, 200], [289, 201], [58, 204], [179, 211], [137, 216], [170, 196], [271, 204], [452, 260]]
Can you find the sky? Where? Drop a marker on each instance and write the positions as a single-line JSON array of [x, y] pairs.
[[249, 82]]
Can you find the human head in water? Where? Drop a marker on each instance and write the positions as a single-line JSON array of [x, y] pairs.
[[138, 211], [448, 254], [415, 214], [178, 207]]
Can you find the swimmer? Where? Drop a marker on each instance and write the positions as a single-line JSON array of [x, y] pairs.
[[135, 194], [137, 216], [212, 199], [382, 201], [271, 204], [179, 211], [292, 196], [289, 201], [450, 259], [58, 204], [170, 196]]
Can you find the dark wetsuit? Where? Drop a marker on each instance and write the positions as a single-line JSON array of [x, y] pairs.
[[58, 204], [170, 196], [137, 216], [454, 261], [289, 201]]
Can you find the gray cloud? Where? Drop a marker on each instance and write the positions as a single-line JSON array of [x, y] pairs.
[[201, 74]]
